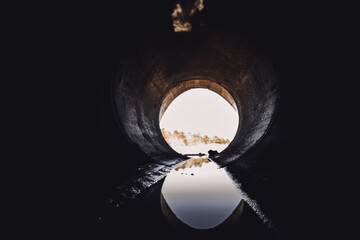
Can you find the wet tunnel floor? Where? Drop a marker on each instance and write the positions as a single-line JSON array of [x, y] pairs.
[[201, 195], [145, 215]]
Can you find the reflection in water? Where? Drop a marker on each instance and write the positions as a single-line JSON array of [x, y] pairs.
[[201, 194]]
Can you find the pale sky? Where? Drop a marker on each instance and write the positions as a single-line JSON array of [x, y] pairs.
[[201, 111]]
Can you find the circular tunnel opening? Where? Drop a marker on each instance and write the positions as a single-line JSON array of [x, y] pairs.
[[199, 120], [164, 67]]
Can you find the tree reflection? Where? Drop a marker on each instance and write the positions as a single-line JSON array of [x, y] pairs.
[[196, 162]]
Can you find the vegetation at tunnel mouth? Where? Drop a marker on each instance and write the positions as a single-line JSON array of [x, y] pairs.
[[191, 139]]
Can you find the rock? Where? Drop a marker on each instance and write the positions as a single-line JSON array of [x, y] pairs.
[[212, 153]]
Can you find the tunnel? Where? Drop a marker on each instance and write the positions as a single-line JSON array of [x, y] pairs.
[[169, 64], [131, 73], [110, 71]]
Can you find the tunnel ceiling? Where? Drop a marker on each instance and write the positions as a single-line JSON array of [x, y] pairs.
[[196, 83], [172, 63]]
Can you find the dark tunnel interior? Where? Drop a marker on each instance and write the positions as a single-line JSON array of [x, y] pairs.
[[126, 64], [166, 65], [174, 63]]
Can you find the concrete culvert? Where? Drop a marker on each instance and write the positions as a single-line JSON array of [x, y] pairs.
[[166, 66]]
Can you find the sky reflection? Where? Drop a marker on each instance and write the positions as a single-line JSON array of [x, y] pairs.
[[200, 194]]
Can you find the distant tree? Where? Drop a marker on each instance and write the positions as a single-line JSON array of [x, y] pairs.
[[166, 134], [182, 135], [193, 138], [206, 139]]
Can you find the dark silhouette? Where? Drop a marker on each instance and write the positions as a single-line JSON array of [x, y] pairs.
[[212, 153]]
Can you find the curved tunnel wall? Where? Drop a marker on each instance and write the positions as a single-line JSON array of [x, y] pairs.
[[197, 83], [164, 63]]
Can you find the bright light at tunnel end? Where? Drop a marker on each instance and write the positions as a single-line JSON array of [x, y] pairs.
[[204, 113]]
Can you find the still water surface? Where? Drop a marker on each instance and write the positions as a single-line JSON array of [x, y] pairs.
[[200, 194]]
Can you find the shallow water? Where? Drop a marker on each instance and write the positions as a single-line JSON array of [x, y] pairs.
[[199, 148], [200, 194]]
